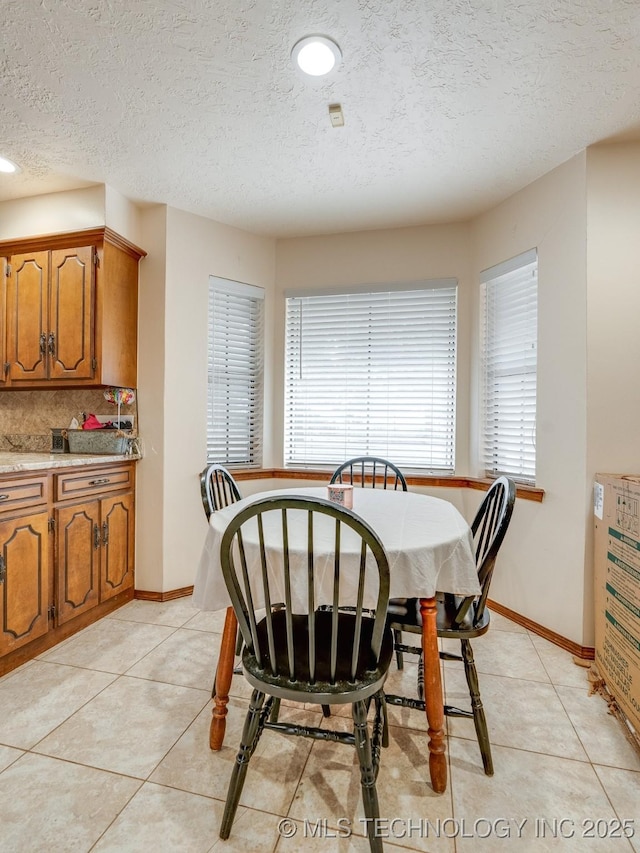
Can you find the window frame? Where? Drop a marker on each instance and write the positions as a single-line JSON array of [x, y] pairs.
[[295, 458], [509, 368], [243, 307]]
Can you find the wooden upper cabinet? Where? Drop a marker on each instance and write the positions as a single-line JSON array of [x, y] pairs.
[[70, 340], [71, 310], [49, 313], [117, 312], [27, 316]]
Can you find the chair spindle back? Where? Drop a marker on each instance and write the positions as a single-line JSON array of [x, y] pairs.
[[281, 533], [365, 470], [218, 489], [489, 528]]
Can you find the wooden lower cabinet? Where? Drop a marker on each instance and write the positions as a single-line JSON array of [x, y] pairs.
[[67, 541], [118, 542], [24, 580], [94, 553], [77, 531]]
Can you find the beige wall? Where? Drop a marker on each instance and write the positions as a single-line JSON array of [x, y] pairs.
[[53, 213], [150, 498], [123, 216], [583, 218], [183, 251], [613, 308], [545, 549], [73, 210], [541, 573], [613, 289], [369, 257], [173, 380]]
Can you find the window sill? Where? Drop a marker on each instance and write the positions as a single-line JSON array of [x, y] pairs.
[[527, 493]]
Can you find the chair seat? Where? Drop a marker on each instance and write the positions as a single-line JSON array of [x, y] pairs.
[[369, 675], [404, 614]]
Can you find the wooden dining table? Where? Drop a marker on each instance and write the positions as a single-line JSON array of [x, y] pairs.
[[429, 547]]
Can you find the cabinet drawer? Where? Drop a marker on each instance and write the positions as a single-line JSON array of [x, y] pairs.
[[96, 481], [20, 492]]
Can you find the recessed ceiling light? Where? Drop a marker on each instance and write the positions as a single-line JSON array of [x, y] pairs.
[[8, 166], [316, 55]]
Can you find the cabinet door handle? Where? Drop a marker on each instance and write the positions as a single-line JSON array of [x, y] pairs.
[[96, 537], [43, 343], [105, 533], [4, 497], [99, 482], [3, 569], [52, 343]]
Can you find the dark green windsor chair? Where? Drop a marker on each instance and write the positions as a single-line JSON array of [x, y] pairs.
[[458, 617], [312, 655], [218, 490], [367, 470]]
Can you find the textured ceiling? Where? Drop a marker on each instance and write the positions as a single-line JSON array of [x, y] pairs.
[[449, 105]]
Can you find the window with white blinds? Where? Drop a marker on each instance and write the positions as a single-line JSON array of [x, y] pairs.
[[372, 372], [235, 370], [509, 312]]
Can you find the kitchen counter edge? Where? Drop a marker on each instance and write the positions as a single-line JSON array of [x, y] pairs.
[[12, 461]]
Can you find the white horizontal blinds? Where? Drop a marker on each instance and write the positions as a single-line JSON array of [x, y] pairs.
[[235, 371], [372, 373], [510, 331]]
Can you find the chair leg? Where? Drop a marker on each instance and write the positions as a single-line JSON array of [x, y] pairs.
[[397, 638], [250, 736], [382, 714], [479, 719], [367, 774], [275, 711], [326, 710]]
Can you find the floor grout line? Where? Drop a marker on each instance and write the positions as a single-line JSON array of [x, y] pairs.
[[457, 771]]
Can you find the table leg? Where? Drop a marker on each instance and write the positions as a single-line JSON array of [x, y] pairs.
[[224, 674], [434, 703]]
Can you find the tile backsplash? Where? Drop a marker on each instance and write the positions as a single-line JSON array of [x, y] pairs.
[[27, 417]]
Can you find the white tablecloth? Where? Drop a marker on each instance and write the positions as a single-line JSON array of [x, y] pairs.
[[427, 542]]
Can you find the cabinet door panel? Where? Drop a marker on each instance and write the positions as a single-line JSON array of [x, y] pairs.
[[24, 586], [78, 559], [70, 340], [118, 531], [27, 310]]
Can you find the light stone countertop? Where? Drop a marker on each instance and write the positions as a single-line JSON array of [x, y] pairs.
[[11, 461]]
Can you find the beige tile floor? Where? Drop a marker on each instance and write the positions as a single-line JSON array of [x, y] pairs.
[[104, 747]]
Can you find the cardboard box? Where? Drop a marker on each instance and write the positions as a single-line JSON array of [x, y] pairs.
[[617, 589]]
